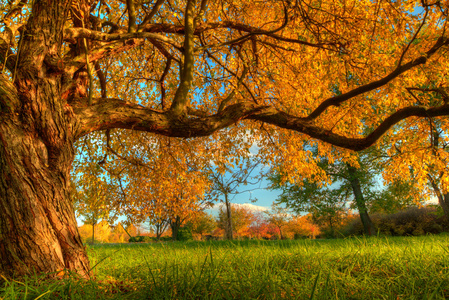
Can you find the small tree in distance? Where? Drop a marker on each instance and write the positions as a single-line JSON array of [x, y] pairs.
[[202, 223], [226, 182], [92, 204], [279, 216], [241, 219]]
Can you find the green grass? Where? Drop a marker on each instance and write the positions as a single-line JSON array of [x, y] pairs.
[[358, 268]]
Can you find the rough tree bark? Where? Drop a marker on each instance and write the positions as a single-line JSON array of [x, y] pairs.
[[38, 230]]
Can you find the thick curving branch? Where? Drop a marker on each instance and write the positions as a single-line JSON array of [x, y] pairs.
[[307, 127], [105, 114], [115, 113]]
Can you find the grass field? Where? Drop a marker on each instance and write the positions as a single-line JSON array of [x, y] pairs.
[[356, 268]]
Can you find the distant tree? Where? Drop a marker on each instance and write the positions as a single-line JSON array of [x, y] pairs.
[[171, 193], [227, 178], [91, 203], [158, 225], [202, 223], [101, 232], [419, 157], [325, 204], [303, 226], [118, 234], [354, 181], [132, 229], [260, 227], [396, 196], [330, 212], [278, 216], [241, 219]]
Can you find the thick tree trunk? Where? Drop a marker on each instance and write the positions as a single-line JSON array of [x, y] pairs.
[[443, 198], [444, 203], [368, 225], [175, 225], [38, 229]]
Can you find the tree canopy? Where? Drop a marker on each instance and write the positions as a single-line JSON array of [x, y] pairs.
[[181, 68]]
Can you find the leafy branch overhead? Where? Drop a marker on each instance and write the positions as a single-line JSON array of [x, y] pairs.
[[192, 68]]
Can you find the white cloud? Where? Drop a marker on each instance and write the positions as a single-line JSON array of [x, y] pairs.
[[432, 200], [249, 206], [253, 207]]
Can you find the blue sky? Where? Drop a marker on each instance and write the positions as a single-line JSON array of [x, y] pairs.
[[264, 197]]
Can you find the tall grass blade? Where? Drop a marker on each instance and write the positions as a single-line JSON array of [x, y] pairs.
[[315, 285]]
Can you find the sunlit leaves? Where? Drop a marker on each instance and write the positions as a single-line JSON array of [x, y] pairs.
[[288, 55]]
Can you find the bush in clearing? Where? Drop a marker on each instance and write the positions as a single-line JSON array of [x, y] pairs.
[[185, 234], [140, 239], [412, 221]]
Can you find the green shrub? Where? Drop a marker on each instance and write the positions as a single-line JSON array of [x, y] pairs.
[[412, 221], [139, 239], [185, 234], [299, 236]]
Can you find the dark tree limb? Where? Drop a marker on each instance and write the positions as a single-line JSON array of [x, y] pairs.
[[131, 16], [287, 121], [115, 113], [337, 100], [71, 34], [7, 57], [150, 16], [180, 101]]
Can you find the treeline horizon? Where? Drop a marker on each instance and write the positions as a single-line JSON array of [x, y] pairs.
[[252, 224]]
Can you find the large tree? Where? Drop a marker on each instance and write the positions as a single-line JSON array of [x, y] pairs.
[[188, 69]]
